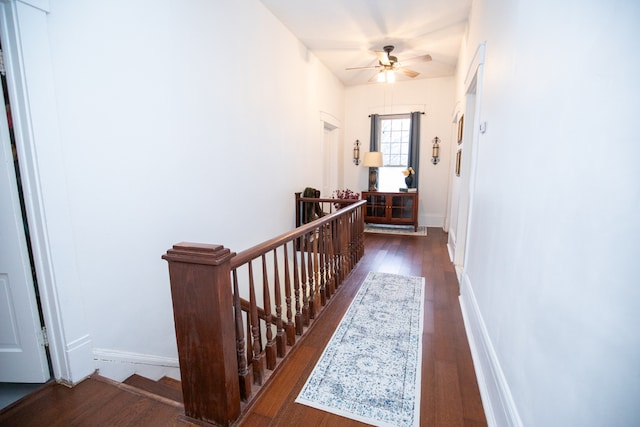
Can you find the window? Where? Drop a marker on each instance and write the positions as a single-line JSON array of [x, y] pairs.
[[394, 145]]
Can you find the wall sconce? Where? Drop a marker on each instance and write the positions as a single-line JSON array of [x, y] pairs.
[[356, 152], [435, 151]]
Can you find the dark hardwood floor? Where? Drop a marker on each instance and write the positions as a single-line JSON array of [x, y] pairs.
[[96, 401], [449, 394]]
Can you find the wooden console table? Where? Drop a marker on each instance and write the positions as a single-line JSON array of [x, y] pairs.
[[391, 208]]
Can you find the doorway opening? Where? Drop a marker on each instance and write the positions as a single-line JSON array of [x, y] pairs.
[[332, 164]]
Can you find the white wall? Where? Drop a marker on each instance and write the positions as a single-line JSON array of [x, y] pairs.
[[177, 121], [550, 289], [433, 96]]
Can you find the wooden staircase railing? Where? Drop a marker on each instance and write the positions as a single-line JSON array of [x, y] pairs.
[[237, 315]]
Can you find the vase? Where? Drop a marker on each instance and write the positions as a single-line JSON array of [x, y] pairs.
[[409, 181]]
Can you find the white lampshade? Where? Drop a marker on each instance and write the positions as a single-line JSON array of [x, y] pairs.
[[372, 159], [391, 76]]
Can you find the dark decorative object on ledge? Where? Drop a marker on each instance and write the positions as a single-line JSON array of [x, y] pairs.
[[409, 181], [409, 176]]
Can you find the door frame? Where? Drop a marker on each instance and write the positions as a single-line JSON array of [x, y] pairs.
[[27, 57], [470, 138], [331, 154], [25, 356]]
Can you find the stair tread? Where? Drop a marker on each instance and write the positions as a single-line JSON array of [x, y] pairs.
[[171, 382], [165, 387]]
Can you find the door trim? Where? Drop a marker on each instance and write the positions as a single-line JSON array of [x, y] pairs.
[[23, 29], [464, 214], [473, 90]]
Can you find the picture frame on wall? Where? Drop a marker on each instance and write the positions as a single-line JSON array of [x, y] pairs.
[[460, 128], [458, 161]]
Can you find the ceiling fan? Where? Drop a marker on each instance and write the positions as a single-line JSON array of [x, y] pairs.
[[388, 65]]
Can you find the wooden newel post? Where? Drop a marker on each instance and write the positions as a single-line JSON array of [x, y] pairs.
[[205, 331]]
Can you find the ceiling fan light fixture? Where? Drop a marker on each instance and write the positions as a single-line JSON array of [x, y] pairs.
[[391, 76], [389, 64]]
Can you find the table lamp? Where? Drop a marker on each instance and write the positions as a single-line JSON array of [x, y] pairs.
[[373, 160]]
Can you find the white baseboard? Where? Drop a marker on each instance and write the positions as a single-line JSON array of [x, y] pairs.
[[500, 409], [77, 355], [431, 220], [118, 365], [451, 244]]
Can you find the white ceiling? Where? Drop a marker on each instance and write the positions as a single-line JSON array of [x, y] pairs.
[[345, 33]]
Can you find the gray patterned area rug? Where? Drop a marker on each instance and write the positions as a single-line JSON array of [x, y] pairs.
[[402, 230], [370, 369]]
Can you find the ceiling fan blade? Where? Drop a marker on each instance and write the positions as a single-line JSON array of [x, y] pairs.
[[362, 68], [407, 72], [383, 57], [422, 58]]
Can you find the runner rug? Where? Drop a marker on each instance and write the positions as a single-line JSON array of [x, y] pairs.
[[401, 230], [370, 369]]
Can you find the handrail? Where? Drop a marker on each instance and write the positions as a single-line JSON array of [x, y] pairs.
[[230, 344], [264, 247], [311, 205]]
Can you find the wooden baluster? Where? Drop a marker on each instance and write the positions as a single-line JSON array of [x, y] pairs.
[[360, 232], [289, 327], [336, 250], [334, 253], [296, 289], [245, 376], [304, 281], [358, 225], [249, 343], [344, 248], [352, 248], [311, 247], [327, 260], [360, 220], [200, 278], [258, 361], [327, 244], [350, 242], [336, 245], [270, 348], [336, 267], [338, 240], [281, 342], [321, 255], [330, 258], [362, 226], [354, 237]]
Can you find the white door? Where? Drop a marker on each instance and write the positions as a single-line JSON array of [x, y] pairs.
[[22, 354], [330, 172], [470, 147], [465, 184]]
